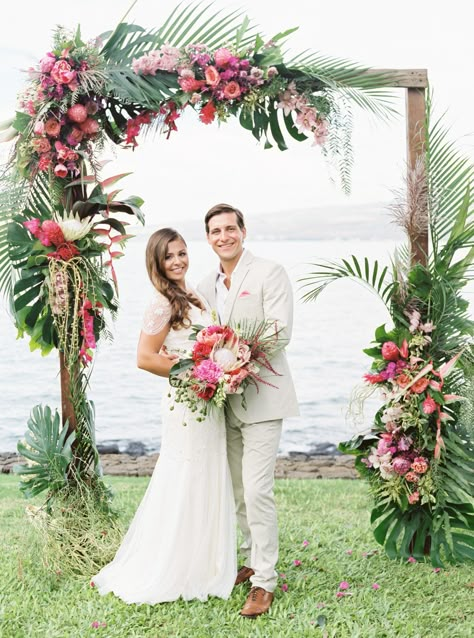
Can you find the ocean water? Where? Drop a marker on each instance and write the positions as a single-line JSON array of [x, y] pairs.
[[325, 353]]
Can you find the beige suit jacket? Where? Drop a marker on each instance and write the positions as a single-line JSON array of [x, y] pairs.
[[260, 290]]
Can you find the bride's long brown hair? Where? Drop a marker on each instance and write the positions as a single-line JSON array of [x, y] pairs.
[[180, 300]]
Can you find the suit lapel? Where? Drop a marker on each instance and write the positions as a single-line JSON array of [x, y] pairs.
[[236, 284], [208, 290]]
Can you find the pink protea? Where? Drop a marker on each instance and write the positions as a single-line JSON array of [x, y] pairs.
[[390, 351], [420, 465], [77, 113], [401, 465], [429, 405], [89, 126], [208, 371]]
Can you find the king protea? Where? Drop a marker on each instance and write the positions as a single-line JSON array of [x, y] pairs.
[[73, 227]]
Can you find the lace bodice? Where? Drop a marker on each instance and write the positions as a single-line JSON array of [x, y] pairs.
[[158, 314]]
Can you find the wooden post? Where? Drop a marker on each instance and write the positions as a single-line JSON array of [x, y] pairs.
[[415, 115], [67, 408]]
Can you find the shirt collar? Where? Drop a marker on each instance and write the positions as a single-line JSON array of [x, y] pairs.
[[221, 275]]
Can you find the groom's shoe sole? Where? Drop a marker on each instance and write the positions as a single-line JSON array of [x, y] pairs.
[[243, 575]]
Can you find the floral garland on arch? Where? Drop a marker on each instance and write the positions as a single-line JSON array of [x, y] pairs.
[[62, 223]]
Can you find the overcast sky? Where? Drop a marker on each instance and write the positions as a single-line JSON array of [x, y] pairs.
[[201, 165]]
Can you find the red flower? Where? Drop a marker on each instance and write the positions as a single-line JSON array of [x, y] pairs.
[[60, 170], [208, 113], [374, 378], [201, 351], [65, 252], [390, 351], [52, 232], [189, 85], [207, 393]]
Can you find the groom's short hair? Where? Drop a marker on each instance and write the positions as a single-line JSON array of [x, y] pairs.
[[218, 209]]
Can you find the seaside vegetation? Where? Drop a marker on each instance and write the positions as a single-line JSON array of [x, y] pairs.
[[334, 580]]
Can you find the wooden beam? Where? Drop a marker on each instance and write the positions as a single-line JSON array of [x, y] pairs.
[[403, 78], [415, 129]]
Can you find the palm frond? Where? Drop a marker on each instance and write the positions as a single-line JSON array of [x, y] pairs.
[[372, 276]]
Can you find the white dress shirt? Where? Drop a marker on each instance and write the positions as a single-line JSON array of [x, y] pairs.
[[221, 289]]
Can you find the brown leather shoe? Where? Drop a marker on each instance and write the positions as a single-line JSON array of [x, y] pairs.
[[243, 574], [258, 602]]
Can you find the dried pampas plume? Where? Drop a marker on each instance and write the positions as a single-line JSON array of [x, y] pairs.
[[410, 208]]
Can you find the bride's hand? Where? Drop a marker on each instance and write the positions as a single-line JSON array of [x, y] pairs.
[[168, 355]]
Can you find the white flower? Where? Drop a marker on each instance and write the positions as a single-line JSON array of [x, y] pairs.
[[73, 227]]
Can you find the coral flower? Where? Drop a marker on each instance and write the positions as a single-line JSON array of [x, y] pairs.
[[232, 90], [402, 380], [414, 498], [208, 113], [60, 170], [420, 465], [420, 385], [89, 126], [212, 76], [77, 113], [52, 127]]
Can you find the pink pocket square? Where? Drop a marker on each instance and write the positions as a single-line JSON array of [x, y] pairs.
[[244, 293]]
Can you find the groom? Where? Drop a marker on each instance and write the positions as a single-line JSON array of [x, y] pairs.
[[246, 287]]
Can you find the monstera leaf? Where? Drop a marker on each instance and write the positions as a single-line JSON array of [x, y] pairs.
[[48, 448]]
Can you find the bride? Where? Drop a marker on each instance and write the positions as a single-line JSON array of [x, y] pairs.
[[181, 542]]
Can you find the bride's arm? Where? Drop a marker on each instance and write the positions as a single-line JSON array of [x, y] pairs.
[[148, 353]]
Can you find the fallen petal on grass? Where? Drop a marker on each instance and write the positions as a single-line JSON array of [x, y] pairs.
[[375, 586], [344, 585], [284, 587], [411, 560], [296, 563]]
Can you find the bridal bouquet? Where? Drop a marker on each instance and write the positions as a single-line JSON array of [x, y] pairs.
[[224, 361]]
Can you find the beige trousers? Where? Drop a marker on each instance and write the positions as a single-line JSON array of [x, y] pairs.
[[252, 450]]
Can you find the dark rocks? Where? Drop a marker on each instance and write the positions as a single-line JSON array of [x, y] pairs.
[[136, 448], [108, 448]]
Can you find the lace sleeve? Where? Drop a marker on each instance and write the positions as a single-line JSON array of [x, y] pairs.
[[157, 315]]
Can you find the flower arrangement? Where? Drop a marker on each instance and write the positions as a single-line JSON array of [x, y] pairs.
[[223, 361], [225, 81], [401, 460]]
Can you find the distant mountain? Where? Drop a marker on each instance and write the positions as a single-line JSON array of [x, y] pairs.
[[356, 221]]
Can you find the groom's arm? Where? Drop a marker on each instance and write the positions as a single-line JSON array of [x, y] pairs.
[[278, 301]]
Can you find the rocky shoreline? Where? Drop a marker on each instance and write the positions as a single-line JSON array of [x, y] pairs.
[[297, 465]]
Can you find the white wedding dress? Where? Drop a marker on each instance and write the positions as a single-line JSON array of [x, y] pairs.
[[181, 542]]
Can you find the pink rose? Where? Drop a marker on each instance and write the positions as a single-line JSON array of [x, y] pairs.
[[52, 127], [420, 465], [414, 498], [232, 90], [62, 72], [212, 76], [429, 405], [420, 385], [41, 145], [412, 477], [38, 128], [390, 351]]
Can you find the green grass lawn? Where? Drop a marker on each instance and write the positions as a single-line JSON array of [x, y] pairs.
[[412, 601]]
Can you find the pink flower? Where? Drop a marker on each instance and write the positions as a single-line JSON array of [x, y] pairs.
[[344, 585], [89, 126], [222, 56], [62, 72], [208, 371], [349, 552], [411, 560], [390, 351], [47, 63], [212, 76], [305, 543], [404, 349], [283, 576], [375, 586], [272, 71], [420, 465], [232, 90], [420, 385], [429, 405], [38, 128], [341, 594], [60, 170], [92, 584], [52, 127], [436, 570], [41, 145], [77, 113], [401, 465], [33, 225], [297, 563], [411, 477], [414, 498], [284, 587]]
